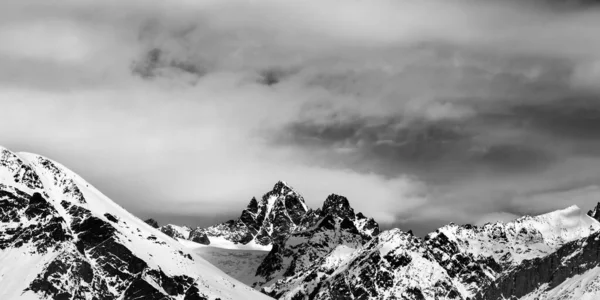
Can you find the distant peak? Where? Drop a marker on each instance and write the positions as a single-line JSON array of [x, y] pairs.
[[281, 183], [595, 213], [253, 205], [152, 223], [281, 187], [573, 209], [339, 206]]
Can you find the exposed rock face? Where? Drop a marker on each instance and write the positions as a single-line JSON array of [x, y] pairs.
[[323, 231], [393, 265], [545, 273], [62, 239], [199, 237], [20, 171], [152, 223], [90, 262], [273, 218], [455, 262], [29, 220], [176, 232], [338, 206], [595, 213]]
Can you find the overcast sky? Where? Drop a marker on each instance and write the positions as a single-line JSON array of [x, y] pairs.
[[420, 112]]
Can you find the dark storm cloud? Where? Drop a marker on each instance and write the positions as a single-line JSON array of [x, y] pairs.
[[438, 151], [573, 118]]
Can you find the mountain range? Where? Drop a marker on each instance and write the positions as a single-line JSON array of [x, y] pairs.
[[60, 238]]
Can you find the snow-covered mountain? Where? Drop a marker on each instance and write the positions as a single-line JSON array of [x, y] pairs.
[[322, 231], [455, 262], [334, 253], [279, 212], [60, 238]]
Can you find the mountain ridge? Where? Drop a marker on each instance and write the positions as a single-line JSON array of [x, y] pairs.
[[60, 238]]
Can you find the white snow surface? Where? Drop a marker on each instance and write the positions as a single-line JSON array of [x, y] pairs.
[[527, 237], [223, 243], [18, 267], [240, 264]]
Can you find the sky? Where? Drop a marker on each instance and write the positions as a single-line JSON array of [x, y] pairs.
[[420, 112]]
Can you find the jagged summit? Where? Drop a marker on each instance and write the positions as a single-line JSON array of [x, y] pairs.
[[252, 206], [279, 212], [493, 261], [595, 213], [338, 205], [322, 231], [282, 187], [524, 238]]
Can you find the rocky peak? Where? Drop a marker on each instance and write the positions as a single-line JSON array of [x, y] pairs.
[[595, 213], [252, 206], [152, 222], [282, 188], [176, 232], [20, 171], [279, 212], [339, 206]]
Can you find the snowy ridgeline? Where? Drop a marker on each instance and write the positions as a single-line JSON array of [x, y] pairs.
[[60, 238], [333, 259]]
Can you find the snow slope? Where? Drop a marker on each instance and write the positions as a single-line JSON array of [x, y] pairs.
[[89, 246], [239, 264]]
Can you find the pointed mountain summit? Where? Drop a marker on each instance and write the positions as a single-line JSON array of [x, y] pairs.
[[339, 206], [334, 227], [278, 213], [595, 213]]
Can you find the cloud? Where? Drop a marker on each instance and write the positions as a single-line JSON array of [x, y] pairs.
[[496, 217], [416, 111]]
